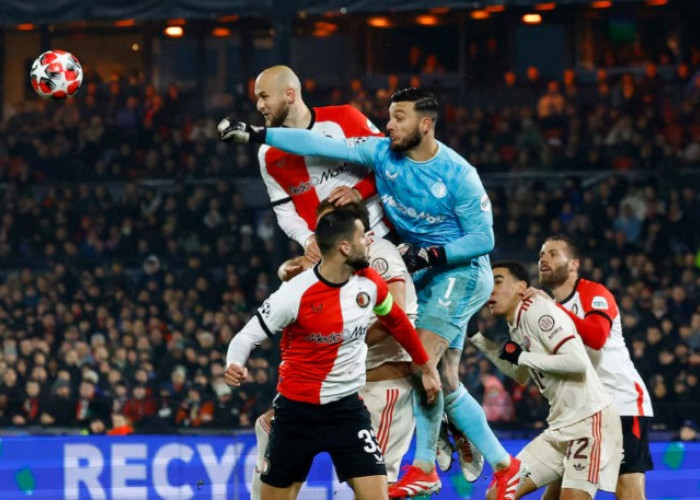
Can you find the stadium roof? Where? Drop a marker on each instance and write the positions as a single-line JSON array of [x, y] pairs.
[[13, 12]]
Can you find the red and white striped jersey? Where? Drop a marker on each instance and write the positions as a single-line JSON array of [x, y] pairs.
[[323, 333], [296, 184], [540, 327], [612, 363], [385, 258]]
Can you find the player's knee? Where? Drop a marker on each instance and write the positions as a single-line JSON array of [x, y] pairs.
[[450, 383], [449, 372], [625, 492]]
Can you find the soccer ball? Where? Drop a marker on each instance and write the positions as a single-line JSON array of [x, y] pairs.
[[56, 74]]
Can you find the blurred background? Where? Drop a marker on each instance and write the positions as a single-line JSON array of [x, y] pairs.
[[134, 244]]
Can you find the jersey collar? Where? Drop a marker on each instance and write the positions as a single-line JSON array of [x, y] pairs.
[[324, 280], [573, 292], [313, 119]]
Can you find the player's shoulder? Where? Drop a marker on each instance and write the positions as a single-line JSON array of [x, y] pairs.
[[342, 114], [540, 312], [300, 283], [447, 154], [594, 295], [353, 122], [381, 247], [369, 274]]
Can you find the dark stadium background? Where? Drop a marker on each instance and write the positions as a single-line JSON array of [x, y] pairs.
[[133, 244]]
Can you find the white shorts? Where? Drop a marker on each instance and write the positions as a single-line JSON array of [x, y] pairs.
[[390, 405], [585, 455]]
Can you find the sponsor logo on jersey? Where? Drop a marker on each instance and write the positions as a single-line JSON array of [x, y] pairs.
[[546, 323], [439, 190], [579, 466], [355, 140], [325, 338], [391, 176], [337, 337], [389, 201], [317, 308], [599, 302], [485, 203], [553, 334], [380, 265], [317, 180], [362, 299]]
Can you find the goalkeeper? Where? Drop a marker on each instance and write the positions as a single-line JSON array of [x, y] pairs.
[[439, 207]]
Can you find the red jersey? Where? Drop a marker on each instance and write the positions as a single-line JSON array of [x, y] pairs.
[[323, 333], [296, 184], [612, 362]]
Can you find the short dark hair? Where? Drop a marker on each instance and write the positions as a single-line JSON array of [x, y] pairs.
[[359, 209], [423, 100], [333, 227], [515, 268], [572, 245]]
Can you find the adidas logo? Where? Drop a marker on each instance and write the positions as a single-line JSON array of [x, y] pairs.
[[579, 466]]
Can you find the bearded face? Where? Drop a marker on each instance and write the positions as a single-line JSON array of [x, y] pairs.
[[554, 275], [409, 141]]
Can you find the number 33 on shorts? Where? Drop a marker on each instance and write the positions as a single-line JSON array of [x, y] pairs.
[[371, 446]]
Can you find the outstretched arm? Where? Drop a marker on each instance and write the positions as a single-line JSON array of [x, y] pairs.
[[302, 142], [306, 143]]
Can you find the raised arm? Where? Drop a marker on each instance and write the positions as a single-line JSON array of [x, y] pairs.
[[358, 150]]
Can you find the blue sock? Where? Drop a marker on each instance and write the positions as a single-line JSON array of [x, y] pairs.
[[428, 418], [469, 418]]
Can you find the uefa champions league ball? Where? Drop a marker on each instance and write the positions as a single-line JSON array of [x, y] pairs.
[[56, 74]]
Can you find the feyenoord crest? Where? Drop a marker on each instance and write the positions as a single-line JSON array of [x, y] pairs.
[[362, 299]]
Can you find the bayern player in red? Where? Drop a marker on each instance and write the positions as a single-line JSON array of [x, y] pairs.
[[597, 318], [323, 314]]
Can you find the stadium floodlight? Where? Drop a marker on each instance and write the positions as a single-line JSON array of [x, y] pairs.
[[174, 31], [532, 18]]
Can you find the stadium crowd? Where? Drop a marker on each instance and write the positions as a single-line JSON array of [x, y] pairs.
[[117, 299]]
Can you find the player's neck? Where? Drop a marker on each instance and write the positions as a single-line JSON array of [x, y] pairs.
[[334, 272], [298, 117], [425, 151], [565, 289]]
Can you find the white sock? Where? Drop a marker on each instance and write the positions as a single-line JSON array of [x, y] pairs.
[[262, 436]]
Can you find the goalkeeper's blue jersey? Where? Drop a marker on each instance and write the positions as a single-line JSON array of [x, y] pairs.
[[437, 202]]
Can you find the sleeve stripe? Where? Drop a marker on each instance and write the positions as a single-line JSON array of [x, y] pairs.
[[281, 202], [563, 341], [396, 279], [600, 313], [263, 325], [384, 308]]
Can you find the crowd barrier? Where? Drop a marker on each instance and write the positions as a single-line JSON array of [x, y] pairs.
[[219, 467]]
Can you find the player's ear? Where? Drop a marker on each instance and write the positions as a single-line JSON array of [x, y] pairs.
[[290, 95], [426, 123], [574, 265], [345, 248]]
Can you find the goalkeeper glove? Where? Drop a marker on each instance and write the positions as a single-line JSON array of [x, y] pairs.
[[241, 132], [417, 258]]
